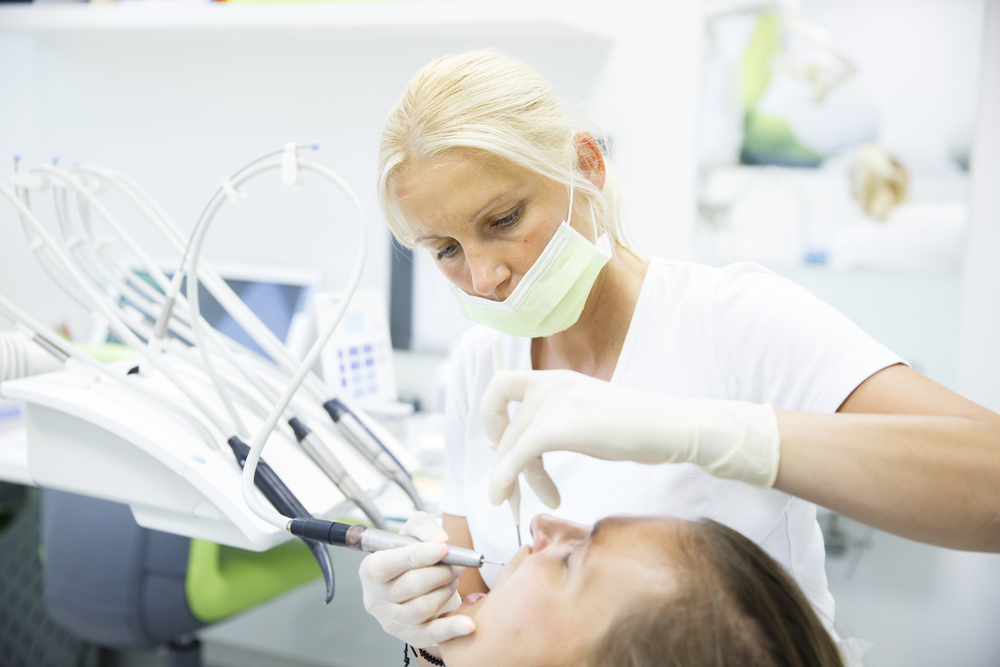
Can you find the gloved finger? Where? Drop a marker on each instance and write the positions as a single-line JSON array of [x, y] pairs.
[[506, 386], [544, 487], [531, 445], [510, 437], [422, 609], [423, 527], [451, 605], [422, 581], [384, 566], [441, 630], [521, 422]]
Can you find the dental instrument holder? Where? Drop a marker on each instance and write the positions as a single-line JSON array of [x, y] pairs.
[[193, 500]]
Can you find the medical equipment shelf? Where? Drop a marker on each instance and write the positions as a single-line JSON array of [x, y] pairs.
[[100, 440], [435, 18]]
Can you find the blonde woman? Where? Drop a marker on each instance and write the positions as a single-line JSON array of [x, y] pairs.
[[651, 387]]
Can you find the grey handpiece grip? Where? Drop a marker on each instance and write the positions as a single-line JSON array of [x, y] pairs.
[[358, 435], [377, 540], [329, 464]]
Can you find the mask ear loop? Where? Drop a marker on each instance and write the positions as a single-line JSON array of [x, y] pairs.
[[569, 216]]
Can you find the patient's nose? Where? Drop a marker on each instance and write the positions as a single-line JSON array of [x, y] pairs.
[[547, 529]]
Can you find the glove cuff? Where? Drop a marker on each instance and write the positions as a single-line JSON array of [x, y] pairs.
[[737, 440]]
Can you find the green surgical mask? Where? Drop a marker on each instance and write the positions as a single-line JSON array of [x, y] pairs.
[[551, 295]]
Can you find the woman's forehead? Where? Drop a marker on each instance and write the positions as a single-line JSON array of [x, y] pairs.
[[453, 188], [458, 165]]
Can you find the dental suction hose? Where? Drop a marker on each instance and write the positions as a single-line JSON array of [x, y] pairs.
[[362, 538]]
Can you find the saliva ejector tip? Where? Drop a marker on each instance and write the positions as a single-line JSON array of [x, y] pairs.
[[314, 145]]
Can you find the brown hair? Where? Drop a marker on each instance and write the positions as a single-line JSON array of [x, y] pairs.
[[735, 606]]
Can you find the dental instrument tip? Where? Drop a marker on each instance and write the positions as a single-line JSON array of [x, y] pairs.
[[17, 157], [490, 562], [55, 159], [314, 145]]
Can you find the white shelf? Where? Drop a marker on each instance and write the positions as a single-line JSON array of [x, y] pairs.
[[456, 17]]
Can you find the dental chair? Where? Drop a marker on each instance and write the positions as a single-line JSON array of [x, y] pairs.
[[115, 584]]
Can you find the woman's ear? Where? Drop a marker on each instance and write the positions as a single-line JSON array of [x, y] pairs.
[[590, 160]]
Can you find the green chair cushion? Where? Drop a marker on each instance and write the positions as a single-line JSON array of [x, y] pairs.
[[223, 581]]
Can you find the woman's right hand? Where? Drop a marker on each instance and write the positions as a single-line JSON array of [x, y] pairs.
[[406, 590]]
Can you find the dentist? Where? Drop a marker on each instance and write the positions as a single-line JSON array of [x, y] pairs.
[[650, 386]]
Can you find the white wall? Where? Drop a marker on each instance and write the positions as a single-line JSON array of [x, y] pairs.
[[978, 373], [918, 60], [180, 109]]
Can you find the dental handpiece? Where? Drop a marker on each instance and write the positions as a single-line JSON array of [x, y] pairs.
[[366, 443], [362, 538]]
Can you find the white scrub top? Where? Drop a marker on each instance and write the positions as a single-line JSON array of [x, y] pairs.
[[738, 333]]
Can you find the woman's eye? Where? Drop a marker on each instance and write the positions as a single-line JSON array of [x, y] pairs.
[[507, 220], [447, 252]]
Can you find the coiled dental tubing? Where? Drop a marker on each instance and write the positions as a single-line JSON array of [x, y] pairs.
[[352, 427], [303, 526], [310, 442], [124, 333], [99, 274], [289, 163]]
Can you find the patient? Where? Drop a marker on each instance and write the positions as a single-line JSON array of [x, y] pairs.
[[641, 592]]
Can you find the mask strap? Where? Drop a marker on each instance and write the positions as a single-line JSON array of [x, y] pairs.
[[569, 216]]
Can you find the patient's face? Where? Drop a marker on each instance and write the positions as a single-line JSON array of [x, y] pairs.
[[551, 602]]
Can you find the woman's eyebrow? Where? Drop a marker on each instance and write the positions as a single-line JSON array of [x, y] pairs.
[[590, 538], [472, 218], [595, 530]]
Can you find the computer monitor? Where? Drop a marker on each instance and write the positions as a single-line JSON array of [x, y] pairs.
[[280, 297]]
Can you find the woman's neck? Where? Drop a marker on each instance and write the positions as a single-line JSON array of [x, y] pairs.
[[592, 345]]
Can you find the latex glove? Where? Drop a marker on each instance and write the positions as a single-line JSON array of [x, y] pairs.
[[406, 590], [564, 410]]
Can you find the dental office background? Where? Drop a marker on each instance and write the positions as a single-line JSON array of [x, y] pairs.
[[179, 94]]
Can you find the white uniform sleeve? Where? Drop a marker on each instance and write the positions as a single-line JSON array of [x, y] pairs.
[[456, 416], [777, 343]]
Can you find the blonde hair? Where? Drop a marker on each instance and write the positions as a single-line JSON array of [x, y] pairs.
[[486, 101], [878, 180]]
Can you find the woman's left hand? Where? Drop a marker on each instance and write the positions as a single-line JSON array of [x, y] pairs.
[[565, 410]]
